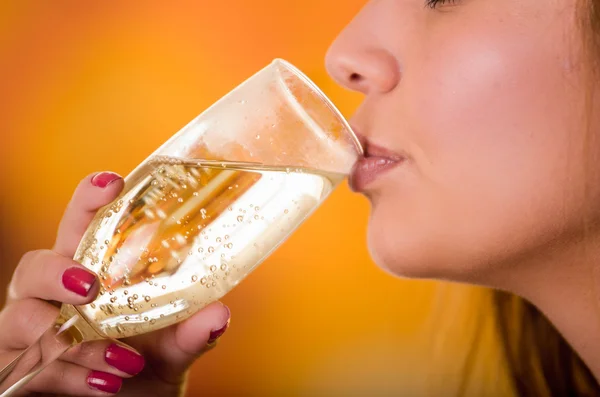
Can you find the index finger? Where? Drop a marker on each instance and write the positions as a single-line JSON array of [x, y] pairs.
[[93, 192]]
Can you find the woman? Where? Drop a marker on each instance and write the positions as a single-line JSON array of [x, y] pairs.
[[480, 129]]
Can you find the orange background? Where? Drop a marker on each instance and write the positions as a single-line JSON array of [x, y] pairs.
[[91, 86]]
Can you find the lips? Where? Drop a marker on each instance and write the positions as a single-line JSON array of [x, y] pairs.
[[375, 162]]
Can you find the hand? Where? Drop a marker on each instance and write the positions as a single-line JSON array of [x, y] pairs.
[[160, 362]]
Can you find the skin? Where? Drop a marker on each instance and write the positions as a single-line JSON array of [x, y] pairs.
[[168, 353], [486, 100]]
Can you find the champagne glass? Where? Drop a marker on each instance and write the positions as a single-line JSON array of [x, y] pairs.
[[198, 215]]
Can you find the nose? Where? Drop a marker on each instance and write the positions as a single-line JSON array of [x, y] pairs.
[[361, 66]]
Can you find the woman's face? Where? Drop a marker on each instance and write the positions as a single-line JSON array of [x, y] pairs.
[[481, 104]]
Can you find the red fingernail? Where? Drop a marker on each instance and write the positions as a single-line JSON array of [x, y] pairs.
[[104, 179], [216, 334], [124, 359], [105, 382], [78, 280]]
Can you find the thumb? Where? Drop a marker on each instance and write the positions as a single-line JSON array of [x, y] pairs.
[[172, 350]]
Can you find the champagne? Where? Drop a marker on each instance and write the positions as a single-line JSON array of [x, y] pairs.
[[184, 232]]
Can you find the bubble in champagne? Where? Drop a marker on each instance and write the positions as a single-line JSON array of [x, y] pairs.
[[211, 249], [147, 298], [126, 318], [219, 239], [229, 245], [194, 278], [223, 267], [213, 268], [203, 281], [240, 218]]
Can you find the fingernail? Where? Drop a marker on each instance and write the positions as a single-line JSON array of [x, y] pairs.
[[78, 280], [216, 334], [104, 179], [105, 382], [124, 359]]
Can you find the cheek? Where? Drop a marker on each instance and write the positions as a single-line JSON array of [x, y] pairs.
[[495, 135], [502, 98]]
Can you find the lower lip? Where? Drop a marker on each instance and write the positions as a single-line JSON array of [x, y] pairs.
[[367, 169]]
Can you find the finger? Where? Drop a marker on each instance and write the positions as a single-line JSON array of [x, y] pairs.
[[30, 318], [106, 356], [94, 192], [23, 322], [172, 350], [67, 379], [48, 275], [73, 380]]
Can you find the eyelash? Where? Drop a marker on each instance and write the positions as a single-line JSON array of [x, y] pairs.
[[434, 3]]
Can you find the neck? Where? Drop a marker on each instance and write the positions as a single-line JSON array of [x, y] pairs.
[[564, 285]]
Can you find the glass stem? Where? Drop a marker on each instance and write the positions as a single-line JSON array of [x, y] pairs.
[[56, 340]]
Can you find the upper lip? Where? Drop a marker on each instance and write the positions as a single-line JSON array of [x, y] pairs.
[[372, 150]]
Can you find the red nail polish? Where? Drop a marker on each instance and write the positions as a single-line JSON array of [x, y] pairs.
[[124, 359], [104, 179], [78, 280], [105, 382], [216, 334]]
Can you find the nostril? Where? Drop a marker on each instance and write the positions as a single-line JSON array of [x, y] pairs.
[[355, 78]]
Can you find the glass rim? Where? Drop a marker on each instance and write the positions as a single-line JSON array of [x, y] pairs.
[[315, 88]]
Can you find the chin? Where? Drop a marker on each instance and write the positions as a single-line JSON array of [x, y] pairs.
[[407, 253], [393, 260]]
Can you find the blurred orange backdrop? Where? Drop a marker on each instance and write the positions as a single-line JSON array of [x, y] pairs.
[[91, 86]]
